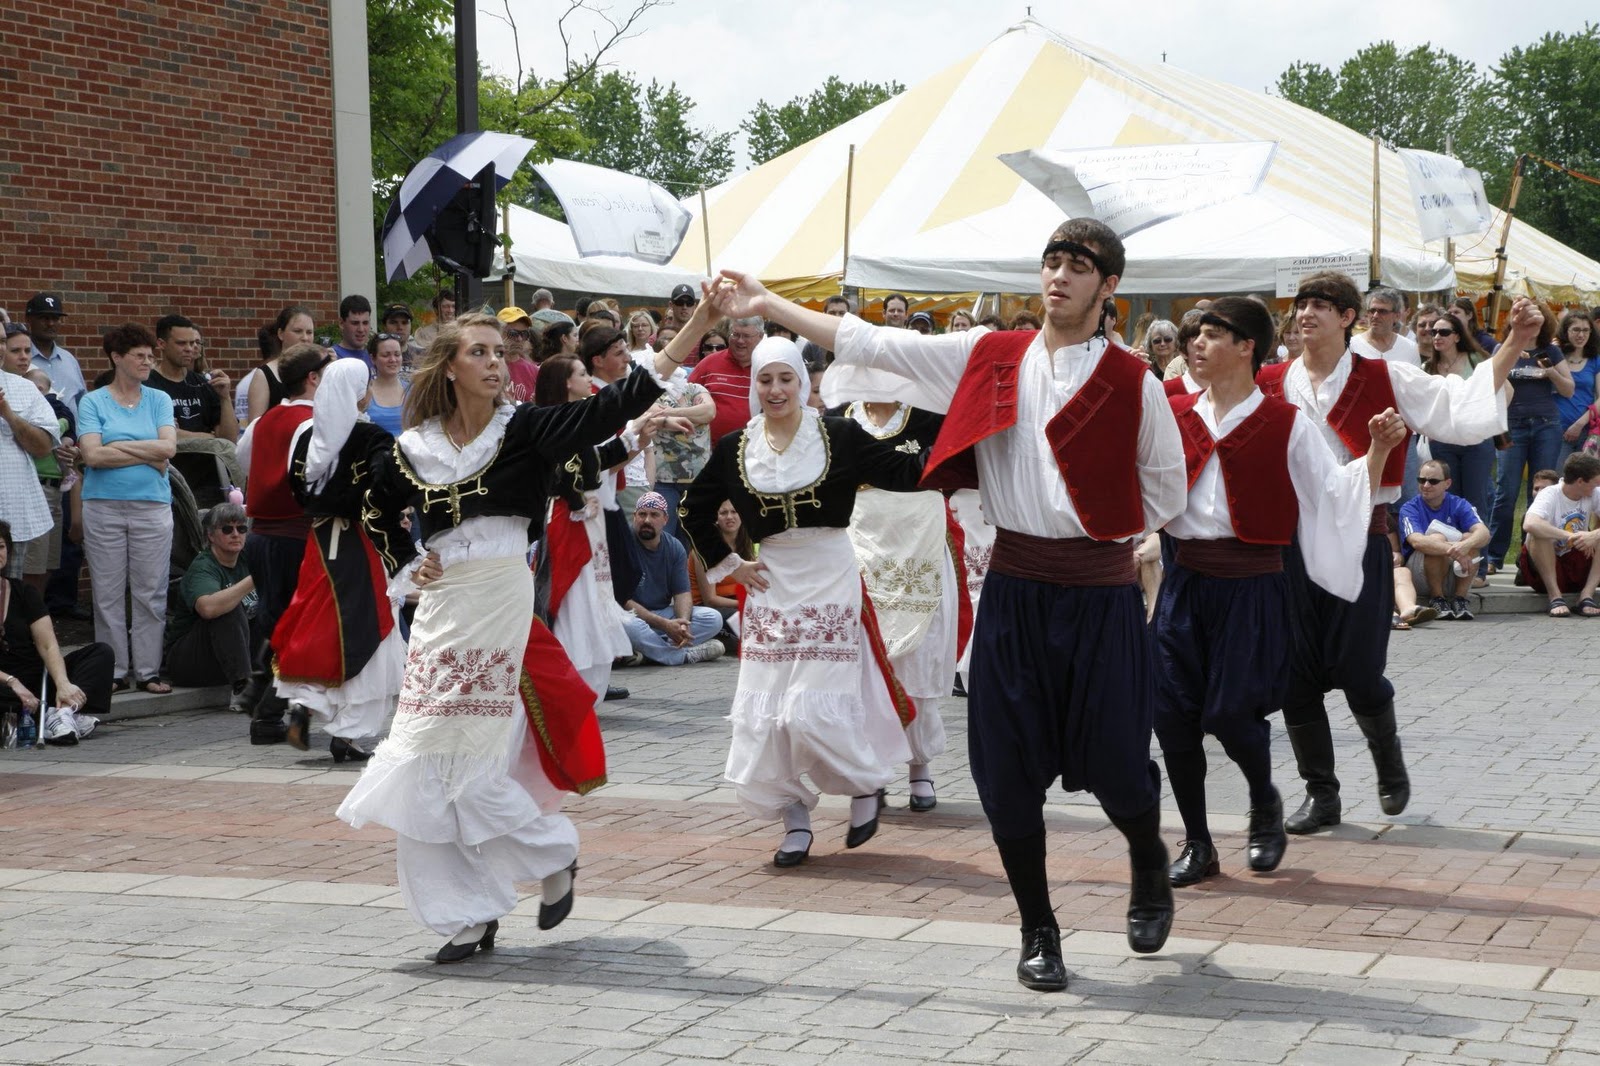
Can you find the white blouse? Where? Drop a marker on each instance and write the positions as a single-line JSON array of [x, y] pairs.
[[1335, 500], [438, 461], [1019, 482]]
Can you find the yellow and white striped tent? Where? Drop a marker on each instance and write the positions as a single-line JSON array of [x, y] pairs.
[[934, 210]]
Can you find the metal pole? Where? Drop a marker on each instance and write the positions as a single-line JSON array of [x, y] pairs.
[[1377, 215], [469, 290], [1493, 323], [1449, 242], [511, 271], [849, 189], [705, 228]]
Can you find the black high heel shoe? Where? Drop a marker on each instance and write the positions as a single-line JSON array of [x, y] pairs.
[[342, 749], [553, 914], [860, 834]]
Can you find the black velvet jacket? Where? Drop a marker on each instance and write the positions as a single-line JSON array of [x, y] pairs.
[[364, 488], [517, 481], [854, 458]]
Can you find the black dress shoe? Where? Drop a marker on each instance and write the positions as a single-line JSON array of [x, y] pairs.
[[1197, 860], [785, 859], [615, 692], [1267, 838], [860, 834], [299, 729], [266, 732], [1149, 911], [458, 952], [923, 803], [958, 689], [1041, 968], [553, 914], [487, 943], [1317, 812], [341, 749]]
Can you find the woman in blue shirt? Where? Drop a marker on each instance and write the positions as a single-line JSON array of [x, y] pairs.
[[388, 387], [1579, 345], [127, 436]]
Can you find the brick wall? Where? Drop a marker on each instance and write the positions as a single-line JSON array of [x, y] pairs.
[[168, 156]]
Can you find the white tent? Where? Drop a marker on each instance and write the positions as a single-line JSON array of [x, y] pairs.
[[544, 255], [934, 210]]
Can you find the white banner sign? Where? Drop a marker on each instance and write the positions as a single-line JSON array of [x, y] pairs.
[[1358, 265], [1447, 195], [1131, 188], [611, 213]]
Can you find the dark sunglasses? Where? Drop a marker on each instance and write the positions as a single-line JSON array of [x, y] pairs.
[[713, 347], [519, 334], [1443, 332], [684, 303], [1430, 481], [229, 527]]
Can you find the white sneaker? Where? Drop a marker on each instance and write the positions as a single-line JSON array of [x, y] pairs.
[[704, 653]]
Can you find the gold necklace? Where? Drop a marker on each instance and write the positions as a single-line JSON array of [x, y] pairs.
[[767, 433]]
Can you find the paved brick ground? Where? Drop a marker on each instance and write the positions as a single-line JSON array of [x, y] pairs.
[[1495, 868]]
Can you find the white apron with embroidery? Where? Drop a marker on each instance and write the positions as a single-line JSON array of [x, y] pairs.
[[459, 778]]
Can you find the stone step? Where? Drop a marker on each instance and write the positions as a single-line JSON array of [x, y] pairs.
[[137, 704]]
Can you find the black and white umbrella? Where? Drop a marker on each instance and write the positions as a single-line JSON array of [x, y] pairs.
[[433, 183]]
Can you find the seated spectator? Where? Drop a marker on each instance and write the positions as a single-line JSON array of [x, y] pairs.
[[723, 597], [33, 672], [127, 438], [211, 635], [1408, 614], [666, 627], [1441, 538], [1559, 538]]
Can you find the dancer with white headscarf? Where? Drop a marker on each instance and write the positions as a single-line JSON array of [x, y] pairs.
[[340, 653], [816, 696]]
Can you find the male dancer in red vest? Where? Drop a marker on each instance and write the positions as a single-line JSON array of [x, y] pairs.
[[278, 524], [1339, 645], [1072, 445], [1260, 476]]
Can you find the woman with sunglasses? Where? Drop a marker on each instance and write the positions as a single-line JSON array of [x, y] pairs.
[[1453, 351], [1533, 422], [715, 340]]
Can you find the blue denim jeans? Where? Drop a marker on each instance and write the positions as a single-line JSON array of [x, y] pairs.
[[704, 623], [1535, 443]]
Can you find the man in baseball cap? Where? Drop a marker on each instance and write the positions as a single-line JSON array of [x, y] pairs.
[[44, 313], [684, 299]]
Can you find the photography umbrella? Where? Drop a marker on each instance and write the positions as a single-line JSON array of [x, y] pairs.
[[434, 183]]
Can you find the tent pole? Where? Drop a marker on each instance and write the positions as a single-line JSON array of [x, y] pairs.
[[705, 228], [1500, 253], [505, 250], [1377, 215], [849, 188], [1449, 242]]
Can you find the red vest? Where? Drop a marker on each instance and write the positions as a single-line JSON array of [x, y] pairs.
[[269, 496], [1368, 392], [1174, 387], [1094, 437], [1254, 458]]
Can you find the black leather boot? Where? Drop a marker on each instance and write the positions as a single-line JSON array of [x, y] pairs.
[[1150, 896], [1313, 753], [1383, 740], [1267, 839]]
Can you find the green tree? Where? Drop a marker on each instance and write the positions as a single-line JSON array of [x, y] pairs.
[[646, 130], [1543, 101], [773, 131]]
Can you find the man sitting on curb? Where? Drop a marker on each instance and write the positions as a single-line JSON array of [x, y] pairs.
[[1559, 538], [1441, 538], [688, 635]]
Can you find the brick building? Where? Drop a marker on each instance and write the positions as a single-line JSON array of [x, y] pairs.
[[174, 156]]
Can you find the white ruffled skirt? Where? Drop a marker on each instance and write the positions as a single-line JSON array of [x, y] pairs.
[[459, 778], [361, 706], [590, 625], [811, 701]]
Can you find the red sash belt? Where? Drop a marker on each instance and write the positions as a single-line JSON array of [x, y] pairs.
[[1073, 562], [1229, 557], [1380, 521]]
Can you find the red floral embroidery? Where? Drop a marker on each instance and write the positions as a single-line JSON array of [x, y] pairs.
[[827, 631], [454, 681], [977, 560]]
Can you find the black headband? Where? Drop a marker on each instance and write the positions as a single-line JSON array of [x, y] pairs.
[[1211, 318], [1073, 248], [1332, 296]]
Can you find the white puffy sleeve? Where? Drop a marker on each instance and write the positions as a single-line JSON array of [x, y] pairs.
[[1335, 509], [1446, 408], [880, 364], [1163, 477]]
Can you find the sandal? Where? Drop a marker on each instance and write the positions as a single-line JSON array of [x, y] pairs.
[[1399, 625], [1558, 608], [1588, 608], [121, 684], [155, 686]]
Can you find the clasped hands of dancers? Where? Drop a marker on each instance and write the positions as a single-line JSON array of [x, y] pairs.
[[1275, 593]]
